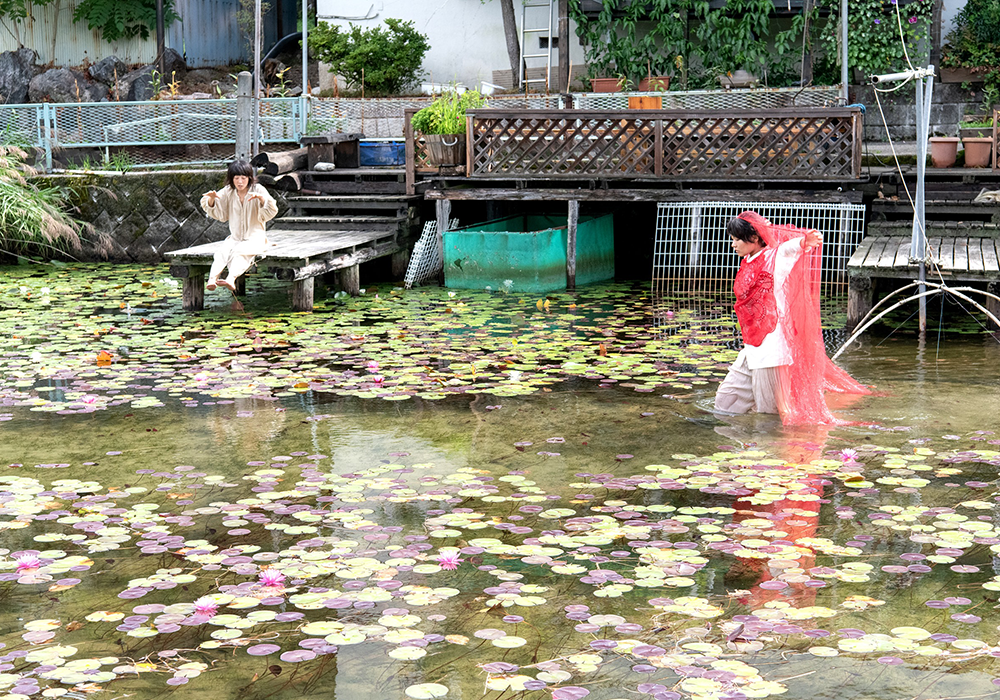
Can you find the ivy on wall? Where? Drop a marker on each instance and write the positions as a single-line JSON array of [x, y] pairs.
[[694, 42]]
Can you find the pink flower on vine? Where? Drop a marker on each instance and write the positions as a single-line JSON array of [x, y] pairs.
[[913, 20], [449, 560]]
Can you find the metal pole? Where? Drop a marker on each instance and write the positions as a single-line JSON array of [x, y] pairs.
[[160, 39], [918, 240], [304, 102], [256, 78], [244, 110], [843, 50]]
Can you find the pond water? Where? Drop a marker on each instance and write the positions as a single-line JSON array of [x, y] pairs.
[[431, 494]]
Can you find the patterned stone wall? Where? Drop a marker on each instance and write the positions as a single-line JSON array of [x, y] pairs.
[[138, 217]]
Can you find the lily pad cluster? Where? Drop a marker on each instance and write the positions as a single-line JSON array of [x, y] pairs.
[[77, 339], [698, 577]]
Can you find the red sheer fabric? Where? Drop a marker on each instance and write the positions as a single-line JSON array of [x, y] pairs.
[[811, 373], [756, 309]]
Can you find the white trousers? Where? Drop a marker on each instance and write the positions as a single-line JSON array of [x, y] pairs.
[[235, 262], [746, 390]]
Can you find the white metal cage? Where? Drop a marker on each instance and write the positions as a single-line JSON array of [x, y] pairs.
[[691, 251], [425, 260]]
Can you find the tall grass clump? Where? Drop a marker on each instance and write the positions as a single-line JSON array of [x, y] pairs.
[[33, 218]]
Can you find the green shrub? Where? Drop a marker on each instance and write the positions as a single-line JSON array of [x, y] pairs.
[[974, 44], [446, 114], [381, 61]]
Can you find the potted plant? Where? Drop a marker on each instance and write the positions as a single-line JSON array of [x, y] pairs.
[[971, 52], [944, 151], [442, 125], [605, 85]]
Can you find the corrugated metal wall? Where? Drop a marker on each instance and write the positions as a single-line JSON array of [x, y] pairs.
[[208, 34]]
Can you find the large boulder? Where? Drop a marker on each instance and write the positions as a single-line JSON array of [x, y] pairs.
[[64, 85], [173, 63], [108, 70], [137, 86], [17, 68]]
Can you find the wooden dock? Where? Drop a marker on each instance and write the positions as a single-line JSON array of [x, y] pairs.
[[297, 256], [959, 258]]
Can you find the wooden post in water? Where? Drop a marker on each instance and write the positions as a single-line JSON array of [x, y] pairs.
[[572, 218], [244, 115], [302, 294], [443, 210]]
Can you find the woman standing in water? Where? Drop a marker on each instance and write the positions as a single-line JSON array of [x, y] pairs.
[[246, 206], [783, 367]]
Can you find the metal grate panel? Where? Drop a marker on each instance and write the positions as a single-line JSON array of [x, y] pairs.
[[691, 251]]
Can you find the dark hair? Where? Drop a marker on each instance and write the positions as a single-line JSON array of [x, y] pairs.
[[743, 230], [240, 167]]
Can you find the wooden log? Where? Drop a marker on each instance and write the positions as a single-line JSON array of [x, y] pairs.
[[302, 295], [860, 292], [282, 162], [350, 280]]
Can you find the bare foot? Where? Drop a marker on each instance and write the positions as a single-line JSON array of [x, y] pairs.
[[210, 286], [227, 285]]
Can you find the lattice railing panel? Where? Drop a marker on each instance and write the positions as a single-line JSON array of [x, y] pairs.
[[791, 145]]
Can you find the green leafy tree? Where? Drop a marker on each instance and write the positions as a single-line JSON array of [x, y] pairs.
[[384, 61], [122, 19]]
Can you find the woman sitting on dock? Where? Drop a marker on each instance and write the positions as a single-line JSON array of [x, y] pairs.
[[783, 367], [246, 206]]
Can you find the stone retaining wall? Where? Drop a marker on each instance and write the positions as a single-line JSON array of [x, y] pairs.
[[144, 215], [950, 104]]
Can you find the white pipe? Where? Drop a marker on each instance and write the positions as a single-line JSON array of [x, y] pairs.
[[305, 66], [938, 289]]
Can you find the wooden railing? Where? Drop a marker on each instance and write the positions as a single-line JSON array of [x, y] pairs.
[[787, 145]]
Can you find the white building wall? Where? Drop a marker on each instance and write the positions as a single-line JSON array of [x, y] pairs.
[[466, 36]]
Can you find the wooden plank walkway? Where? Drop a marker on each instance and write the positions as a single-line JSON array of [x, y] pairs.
[[297, 256], [963, 258]]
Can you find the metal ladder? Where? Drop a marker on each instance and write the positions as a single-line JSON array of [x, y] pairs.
[[526, 31]]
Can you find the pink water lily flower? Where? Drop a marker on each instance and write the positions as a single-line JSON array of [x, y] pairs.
[[449, 560], [205, 606], [27, 562], [271, 578]]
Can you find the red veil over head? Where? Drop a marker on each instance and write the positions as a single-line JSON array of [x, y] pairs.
[[803, 382]]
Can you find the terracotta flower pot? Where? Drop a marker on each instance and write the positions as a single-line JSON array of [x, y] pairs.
[[978, 151], [944, 151], [605, 85]]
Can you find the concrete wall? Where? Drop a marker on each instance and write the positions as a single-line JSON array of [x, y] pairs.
[[144, 215], [466, 36], [948, 107]]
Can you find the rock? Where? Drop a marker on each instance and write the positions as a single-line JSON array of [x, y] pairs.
[[16, 70], [108, 70], [136, 86], [273, 72], [173, 63], [64, 85]]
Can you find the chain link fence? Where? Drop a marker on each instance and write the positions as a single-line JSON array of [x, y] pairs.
[[203, 132]]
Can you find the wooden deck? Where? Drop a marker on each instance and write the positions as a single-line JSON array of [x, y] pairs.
[[961, 258], [297, 256]]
